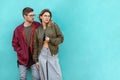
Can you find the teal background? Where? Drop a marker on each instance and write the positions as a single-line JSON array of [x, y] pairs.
[[91, 49]]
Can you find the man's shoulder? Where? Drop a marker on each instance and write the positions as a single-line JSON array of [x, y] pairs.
[[36, 23], [19, 27]]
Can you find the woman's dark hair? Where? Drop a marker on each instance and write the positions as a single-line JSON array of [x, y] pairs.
[[27, 10], [43, 11]]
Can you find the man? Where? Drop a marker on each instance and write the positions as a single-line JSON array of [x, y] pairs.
[[22, 43]]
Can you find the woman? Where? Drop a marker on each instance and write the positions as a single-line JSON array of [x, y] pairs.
[[46, 42]]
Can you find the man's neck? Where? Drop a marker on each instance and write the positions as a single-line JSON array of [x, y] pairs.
[[27, 24]]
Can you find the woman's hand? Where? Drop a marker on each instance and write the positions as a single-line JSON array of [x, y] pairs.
[[38, 65], [47, 39]]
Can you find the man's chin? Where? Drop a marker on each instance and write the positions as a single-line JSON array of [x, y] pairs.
[[31, 21]]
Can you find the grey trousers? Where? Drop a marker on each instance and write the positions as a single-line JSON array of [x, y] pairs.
[[49, 66], [23, 72]]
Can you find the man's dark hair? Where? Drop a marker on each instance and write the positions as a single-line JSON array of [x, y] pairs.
[[27, 10]]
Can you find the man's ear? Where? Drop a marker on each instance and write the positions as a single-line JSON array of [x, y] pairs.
[[24, 16]]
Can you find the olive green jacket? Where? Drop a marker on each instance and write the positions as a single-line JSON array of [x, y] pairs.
[[55, 35]]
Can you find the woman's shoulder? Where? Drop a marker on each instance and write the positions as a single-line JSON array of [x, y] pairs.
[[38, 28], [52, 24]]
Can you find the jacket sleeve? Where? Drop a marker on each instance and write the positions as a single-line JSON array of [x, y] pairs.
[[15, 43], [36, 43], [59, 39]]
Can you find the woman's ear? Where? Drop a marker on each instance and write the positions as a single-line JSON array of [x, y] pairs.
[[40, 17]]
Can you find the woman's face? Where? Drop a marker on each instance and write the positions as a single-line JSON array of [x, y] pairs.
[[45, 17]]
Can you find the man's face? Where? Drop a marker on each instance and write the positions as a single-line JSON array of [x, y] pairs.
[[29, 17]]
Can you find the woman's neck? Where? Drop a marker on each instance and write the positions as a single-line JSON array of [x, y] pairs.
[[44, 25]]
